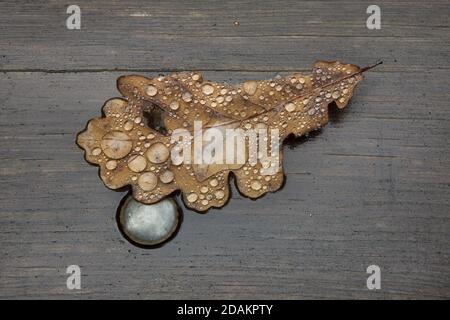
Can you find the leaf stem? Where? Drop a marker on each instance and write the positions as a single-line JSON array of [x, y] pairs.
[[371, 66]]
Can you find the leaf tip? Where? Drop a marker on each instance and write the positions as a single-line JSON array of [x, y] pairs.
[[371, 66]]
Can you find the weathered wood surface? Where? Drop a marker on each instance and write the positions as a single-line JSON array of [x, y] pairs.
[[372, 188]]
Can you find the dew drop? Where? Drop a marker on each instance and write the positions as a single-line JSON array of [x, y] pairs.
[[186, 96], [111, 165], [192, 197], [137, 163], [157, 153], [96, 151], [207, 89], [174, 105], [336, 94], [116, 144], [219, 194], [289, 107], [148, 224], [166, 177], [151, 91], [147, 181], [255, 185], [250, 87]]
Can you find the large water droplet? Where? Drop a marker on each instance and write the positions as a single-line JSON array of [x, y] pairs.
[[148, 224]]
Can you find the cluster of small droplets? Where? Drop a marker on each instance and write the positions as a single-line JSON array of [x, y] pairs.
[[212, 189], [129, 145]]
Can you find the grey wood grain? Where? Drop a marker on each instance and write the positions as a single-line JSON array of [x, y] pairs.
[[372, 188], [179, 35]]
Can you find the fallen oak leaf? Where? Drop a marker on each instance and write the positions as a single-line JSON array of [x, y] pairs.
[[131, 153]]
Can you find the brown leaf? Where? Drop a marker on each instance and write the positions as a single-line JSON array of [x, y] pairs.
[[131, 153]]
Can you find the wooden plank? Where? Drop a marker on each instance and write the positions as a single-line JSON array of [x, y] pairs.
[[372, 188], [178, 35]]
